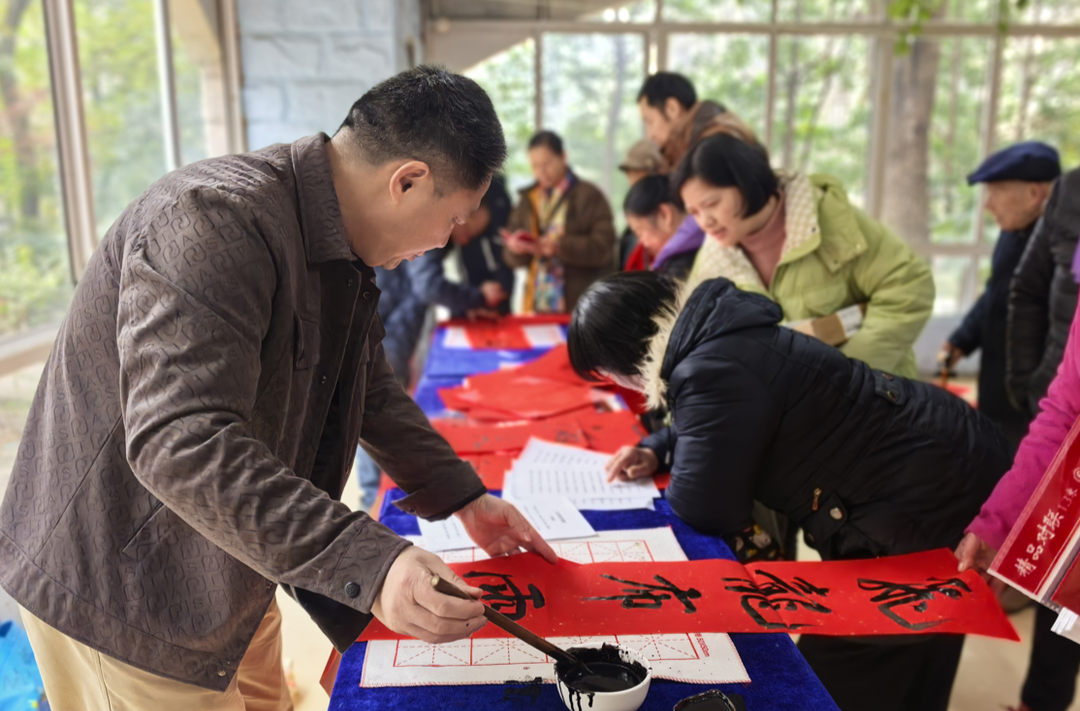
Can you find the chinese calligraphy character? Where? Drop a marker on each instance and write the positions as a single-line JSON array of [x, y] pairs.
[[1067, 499], [507, 596], [894, 595], [1024, 567], [644, 595], [1034, 552], [1053, 519], [776, 594], [1045, 534]]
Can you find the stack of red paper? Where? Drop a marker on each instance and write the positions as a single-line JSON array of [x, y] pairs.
[[544, 399]]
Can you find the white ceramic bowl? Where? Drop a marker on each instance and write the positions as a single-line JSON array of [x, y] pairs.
[[629, 700]]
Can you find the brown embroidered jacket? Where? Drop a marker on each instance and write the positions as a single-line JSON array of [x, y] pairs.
[[197, 419]]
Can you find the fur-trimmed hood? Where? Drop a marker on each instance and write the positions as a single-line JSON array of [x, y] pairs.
[[702, 311]]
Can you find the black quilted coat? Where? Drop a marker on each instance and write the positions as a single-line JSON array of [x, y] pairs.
[[868, 464]]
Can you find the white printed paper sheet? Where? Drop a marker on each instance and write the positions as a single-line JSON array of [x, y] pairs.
[[631, 546], [549, 469], [695, 658], [553, 517]]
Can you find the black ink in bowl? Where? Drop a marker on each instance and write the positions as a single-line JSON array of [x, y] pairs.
[[616, 680]]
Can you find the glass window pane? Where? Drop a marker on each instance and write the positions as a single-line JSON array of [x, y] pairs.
[[590, 83], [982, 11], [1049, 12], [639, 11], [200, 80], [742, 86], [122, 100], [821, 122], [950, 278], [1040, 94], [35, 272], [717, 10], [955, 137], [509, 79], [824, 10]]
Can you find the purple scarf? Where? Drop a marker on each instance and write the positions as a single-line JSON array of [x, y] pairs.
[[686, 239]]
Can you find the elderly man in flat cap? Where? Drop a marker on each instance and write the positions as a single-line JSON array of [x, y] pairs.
[[1018, 181]]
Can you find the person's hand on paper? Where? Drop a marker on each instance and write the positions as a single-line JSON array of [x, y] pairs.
[[631, 463], [973, 552], [499, 528], [494, 293], [408, 604]]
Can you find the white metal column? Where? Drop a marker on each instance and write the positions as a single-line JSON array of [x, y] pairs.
[[76, 183], [170, 122]]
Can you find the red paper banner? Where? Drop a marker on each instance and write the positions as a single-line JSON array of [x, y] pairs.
[[1038, 547], [914, 594]]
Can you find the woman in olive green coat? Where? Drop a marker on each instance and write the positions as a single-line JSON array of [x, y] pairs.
[[799, 241]]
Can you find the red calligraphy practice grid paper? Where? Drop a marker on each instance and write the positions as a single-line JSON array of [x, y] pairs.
[[1042, 543], [915, 594]]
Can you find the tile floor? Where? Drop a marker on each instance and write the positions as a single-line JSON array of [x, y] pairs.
[[989, 679]]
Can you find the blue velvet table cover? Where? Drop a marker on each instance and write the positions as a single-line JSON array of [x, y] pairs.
[[780, 678]]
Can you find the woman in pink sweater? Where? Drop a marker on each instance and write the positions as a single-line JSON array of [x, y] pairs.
[[1060, 408], [1051, 681]]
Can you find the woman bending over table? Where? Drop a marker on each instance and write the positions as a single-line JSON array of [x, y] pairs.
[[866, 463]]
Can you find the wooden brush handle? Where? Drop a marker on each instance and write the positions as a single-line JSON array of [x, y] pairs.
[[500, 620]]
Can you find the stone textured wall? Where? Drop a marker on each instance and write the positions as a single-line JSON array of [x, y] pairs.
[[306, 61]]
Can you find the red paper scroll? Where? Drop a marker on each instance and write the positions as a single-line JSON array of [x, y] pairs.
[[1041, 544], [913, 594]]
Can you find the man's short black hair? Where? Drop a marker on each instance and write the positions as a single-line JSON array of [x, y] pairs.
[[647, 195], [548, 139], [614, 320], [662, 86], [432, 115], [726, 162]]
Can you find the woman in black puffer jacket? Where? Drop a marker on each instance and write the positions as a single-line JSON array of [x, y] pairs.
[[866, 463]]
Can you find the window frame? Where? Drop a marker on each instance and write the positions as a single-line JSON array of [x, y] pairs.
[[72, 144], [884, 34]]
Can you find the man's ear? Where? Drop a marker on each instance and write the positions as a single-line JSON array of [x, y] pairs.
[[673, 110], [411, 175]]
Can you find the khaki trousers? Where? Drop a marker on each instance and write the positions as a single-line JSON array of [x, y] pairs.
[[78, 678]]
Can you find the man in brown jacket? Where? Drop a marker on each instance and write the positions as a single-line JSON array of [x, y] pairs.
[[562, 229], [675, 120], [196, 421]]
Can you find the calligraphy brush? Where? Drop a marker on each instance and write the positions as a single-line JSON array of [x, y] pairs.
[[500, 620]]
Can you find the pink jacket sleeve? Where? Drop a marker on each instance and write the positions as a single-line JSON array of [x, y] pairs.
[[1059, 409]]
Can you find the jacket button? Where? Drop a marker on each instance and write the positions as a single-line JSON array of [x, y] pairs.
[[352, 281], [323, 380], [891, 395], [367, 296], [836, 513], [352, 589], [221, 672]]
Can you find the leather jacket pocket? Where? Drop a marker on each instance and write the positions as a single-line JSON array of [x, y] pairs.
[[306, 343]]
